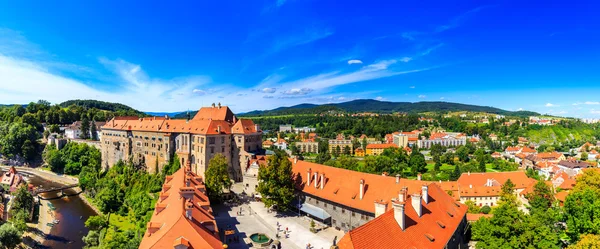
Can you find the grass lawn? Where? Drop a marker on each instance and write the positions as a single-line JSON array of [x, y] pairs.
[[444, 167], [120, 222]]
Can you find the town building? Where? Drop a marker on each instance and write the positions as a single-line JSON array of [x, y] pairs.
[[182, 217], [339, 144], [308, 146], [485, 188], [11, 179], [152, 142], [427, 218], [400, 140], [359, 152], [285, 128], [572, 167], [73, 131], [343, 198], [377, 149], [267, 144], [445, 139], [251, 174], [280, 143]]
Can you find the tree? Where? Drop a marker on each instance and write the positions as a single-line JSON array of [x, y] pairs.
[[347, 150], [364, 143], [337, 151], [507, 192], [92, 239], [473, 208], [96, 222], [22, 200], [485, 209], [541, 198], [85, 127], [93, 131], [55, 160], [417, 162], [584, 156], [463, 153], [19, 219], [217, 176], [10, 236], [581, 211], [587, 241], [276, 183], [455, 173]]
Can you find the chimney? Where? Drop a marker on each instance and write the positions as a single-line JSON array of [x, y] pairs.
[[308, 177], [402, 195], [219, 129], [362, 188], [425, 192], [322, 180], [470, 185], [219, 105], [399, 214], [468, 173], [189, 206], [316, 175], [256, 127], [419, 177], [416, 203], [380, 207], [213, 105], [397, 178], [295, 160]]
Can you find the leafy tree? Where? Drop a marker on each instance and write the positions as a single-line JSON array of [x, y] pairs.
[[581, 211], [473, 208], [10, 236], [587, 241], [96, 222], [337, 151], [417, 162], [347, 150], [276, 184], [507, 192], [322, 157], [541, 198], [584, 156], [364, 143], [485, 209], [22, 200], [92, 239], [217, 176], [19, 219], [463, 153]]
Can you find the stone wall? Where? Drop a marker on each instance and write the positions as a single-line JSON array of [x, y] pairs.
[[342, 217]]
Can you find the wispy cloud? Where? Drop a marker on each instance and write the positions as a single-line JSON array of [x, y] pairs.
[[350, 62], [308, 36], [431, 49], [298, 91], [587, 103], [411, 87], [422, 96], [442, 98], [269, 90], [457, 21], [379, 98], [406, 59], [550, 105]]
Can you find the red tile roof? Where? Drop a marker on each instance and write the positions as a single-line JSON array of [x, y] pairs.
[[476, 217], [170, 223], [244, 126], [433, 229], [215, 113], [476, 184]]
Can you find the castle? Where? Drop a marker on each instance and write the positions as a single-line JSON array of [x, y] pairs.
[[151, 142]]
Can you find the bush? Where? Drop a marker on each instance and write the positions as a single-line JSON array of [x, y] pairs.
[[485, 209]]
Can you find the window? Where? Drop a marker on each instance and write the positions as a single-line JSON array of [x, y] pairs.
[[222, 140], [211, 140], [201, 140], [324, 204], [343, 211], [223, 149], [334, 208], [317, 201], [333, 221], [212, 149], [353, 214]]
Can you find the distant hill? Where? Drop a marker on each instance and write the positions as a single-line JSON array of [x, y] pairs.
[[162, 114], [369, 105], [102, 105]]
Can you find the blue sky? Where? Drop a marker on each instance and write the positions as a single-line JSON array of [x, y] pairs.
[[540, 55]]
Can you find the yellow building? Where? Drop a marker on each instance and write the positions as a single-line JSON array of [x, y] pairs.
[[359, 152], [377, 149]]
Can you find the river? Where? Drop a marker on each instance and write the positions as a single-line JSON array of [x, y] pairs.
[[71, 211]]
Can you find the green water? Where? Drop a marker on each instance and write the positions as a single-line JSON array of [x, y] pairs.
[[259, 238]]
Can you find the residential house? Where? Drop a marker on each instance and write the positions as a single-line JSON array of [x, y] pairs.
[[285, 128], [73, 131], [12, 179], [339, 144], [445, 139], [359, 152], [377, 149], [485, 188]]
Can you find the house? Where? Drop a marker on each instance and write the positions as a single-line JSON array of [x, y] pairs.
[[251, 174], [522, 141], [73, 131], [428, 218], [308, 146], [444, 139], [496, 155], [572, 167], [12, 179], [182, 217], [359, 152], [339, 144], [493, 137], [285, 128], [563, 181], [267, 144], [592, 155], [408, 150], [280, 143], [377, 149], [485, 188]]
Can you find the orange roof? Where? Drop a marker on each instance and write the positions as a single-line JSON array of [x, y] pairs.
[[593, 152], [342, 185], [512, 149], [205, 127], [381, 146], [215, 113], [182, 218], [413, 139], [267, 142], [433, 229], [244, 126], [359, 149], [437, 135], [528, 150], [549, 155], [476, 217], [561, 196]]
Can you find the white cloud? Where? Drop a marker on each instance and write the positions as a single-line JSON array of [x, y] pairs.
[[520, 109], [550, 105], [379, 98], [592, 103], [199, 92], [406, 59], [442, 98], [350, 62], [269, 90], [431, 49], [268, 96], [422, 96], [411, 87], [298, 91]]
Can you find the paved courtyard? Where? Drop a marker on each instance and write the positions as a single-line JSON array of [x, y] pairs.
[[255, 218]]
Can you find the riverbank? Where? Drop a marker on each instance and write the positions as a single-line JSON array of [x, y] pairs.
[[38, 232]]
